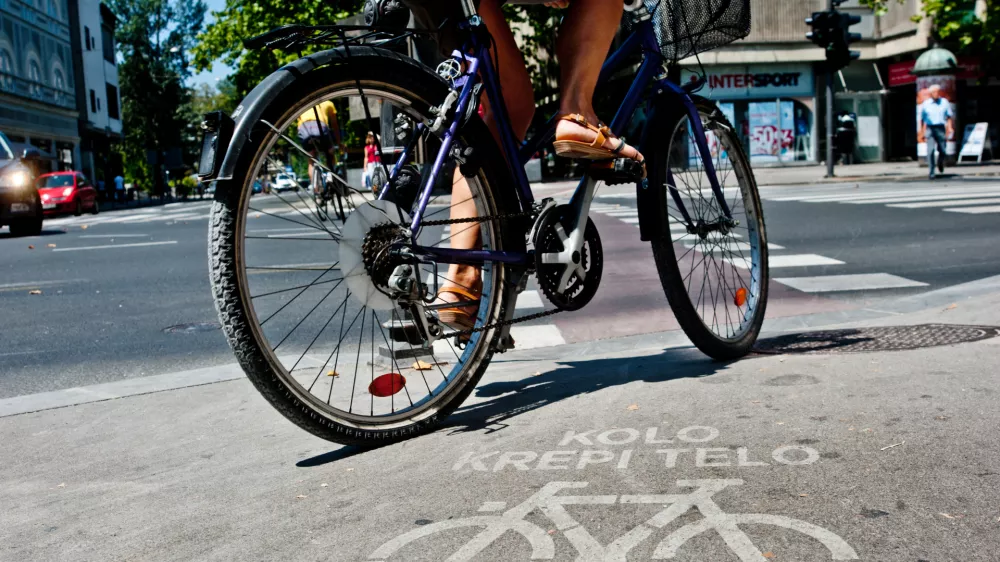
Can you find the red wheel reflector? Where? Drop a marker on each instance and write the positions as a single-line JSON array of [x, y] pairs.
[[387, 385], [741, 297]]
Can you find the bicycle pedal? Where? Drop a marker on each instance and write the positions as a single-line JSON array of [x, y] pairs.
[[617, 171], [403, 331]]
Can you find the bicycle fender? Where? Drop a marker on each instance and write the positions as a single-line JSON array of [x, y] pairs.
[[250, 110]]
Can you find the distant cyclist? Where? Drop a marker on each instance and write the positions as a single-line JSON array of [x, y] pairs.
[[319, 129], [372, 157]]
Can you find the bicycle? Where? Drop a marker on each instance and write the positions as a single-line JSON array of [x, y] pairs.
[[698, 208], [328, 190]]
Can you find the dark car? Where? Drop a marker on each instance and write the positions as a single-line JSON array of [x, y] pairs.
[[66, 192], [20, 203]]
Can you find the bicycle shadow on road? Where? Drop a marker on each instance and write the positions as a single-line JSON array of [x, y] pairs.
[[508, 399]]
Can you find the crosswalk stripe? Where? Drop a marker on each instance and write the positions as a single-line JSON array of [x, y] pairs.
[[531, 337], [856, 282], [166, 217], [949, 203], [927, 197], [887, 196], [794, 260], [976, 210], [529, 300]]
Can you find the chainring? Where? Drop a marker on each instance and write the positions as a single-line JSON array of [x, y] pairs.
[[547, 240]]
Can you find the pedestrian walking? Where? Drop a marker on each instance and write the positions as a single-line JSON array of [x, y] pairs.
[[937, 122]]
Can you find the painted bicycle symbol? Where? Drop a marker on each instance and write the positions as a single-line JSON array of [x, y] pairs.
[[551, 505]]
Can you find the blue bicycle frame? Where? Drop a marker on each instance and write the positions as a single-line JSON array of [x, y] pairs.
[[480, 68]]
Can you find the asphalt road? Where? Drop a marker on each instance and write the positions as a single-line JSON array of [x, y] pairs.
[[112, 284]]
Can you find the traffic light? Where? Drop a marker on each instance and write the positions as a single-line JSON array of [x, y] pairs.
[[822, 24], [838, 52]]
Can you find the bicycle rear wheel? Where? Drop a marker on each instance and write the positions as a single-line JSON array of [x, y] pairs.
[[305, 304], [713, 267]]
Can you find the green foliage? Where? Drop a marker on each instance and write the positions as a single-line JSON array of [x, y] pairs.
[[957, 22], [223, 39], [535, 28], [153, 38]]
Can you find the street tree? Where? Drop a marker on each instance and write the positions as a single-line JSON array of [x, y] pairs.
[[154, 38], [972, 26]]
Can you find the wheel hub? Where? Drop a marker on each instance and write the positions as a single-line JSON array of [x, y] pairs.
[[366, 251]]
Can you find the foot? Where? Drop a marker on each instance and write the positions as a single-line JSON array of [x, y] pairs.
[[567, 130], [464, 287]]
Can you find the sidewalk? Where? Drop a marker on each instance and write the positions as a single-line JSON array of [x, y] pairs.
[[878, 171], [144, 200]]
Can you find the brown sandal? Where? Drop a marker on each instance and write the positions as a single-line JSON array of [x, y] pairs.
[[589, 151], [460, 317]]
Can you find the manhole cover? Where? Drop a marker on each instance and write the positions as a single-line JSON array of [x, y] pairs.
[[887, 338], [192, 328]]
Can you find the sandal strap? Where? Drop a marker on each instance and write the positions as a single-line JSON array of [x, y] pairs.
[[465, 293], [602, 131]]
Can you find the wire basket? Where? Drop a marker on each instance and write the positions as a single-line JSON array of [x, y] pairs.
[[685, 28]]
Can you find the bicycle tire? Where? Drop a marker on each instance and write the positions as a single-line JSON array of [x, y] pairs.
[[675, 285], [421, 87]]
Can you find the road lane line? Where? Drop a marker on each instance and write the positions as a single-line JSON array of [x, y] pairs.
[[112, 235], [948, 203], [135, 245], [856, 282], [976, 210], [33, 284]]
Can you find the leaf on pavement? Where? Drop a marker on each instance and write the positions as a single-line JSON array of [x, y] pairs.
[[323, 485], [51, 245], [768, 554], [30, 247], [803, 495], [952, 306], [421, 366], [632, 407], [83, 227], [949, 516], [300, 497], [552, 531], [332, 373], [35, 292], [350, 470], [63, 485]]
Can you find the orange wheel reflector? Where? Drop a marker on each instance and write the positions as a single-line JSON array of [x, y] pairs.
[[387, 384], [741, 297]]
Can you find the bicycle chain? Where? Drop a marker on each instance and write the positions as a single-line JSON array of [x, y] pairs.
[[499, 323]]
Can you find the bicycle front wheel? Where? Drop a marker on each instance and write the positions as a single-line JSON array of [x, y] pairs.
[[712, 265], [305, 303]]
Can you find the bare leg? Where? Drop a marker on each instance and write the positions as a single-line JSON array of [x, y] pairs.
[[519, 96], [584, 39]]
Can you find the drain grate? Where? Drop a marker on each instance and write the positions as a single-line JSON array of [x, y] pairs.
[[887, 338], [192, 328]]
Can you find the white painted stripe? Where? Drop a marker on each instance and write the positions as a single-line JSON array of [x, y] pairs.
[[531, 337], [713, 237], [976, 210], [932, 197], [631, 220], [135, 245], [126, 218], [623, 213], [857, 282], [856, 195], [793, 260], [948, 203], [529, 300], [312, 232], [113, 236], [738, 246], [181, 216], [286, 230], [30, 284]]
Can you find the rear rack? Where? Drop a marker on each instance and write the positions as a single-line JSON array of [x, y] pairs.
[[296, 37]]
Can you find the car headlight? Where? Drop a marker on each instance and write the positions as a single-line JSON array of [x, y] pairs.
[[67, 191], [18, 178]]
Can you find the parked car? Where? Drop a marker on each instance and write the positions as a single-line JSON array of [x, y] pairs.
[[67, 192], [20, 204], [284, 182], [257, 187]]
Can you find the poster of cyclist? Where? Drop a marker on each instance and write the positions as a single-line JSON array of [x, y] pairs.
[[946, 89]]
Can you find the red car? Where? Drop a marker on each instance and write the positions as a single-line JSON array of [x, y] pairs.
[[66, 192]]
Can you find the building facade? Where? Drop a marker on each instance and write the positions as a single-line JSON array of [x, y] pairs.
[[97, 97], [37, 85], [772, 84]]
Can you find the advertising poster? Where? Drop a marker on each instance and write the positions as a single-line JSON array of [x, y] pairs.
[[787, 130], [765, 134], [947, 85]]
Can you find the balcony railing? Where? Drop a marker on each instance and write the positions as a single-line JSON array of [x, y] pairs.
[[23, 88]]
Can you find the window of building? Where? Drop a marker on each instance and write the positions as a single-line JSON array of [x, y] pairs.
[[112, 96], [54, 9], [6, 70], [35, 76], [58, 80], [108, 44], [93, 102], [86, 37]]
